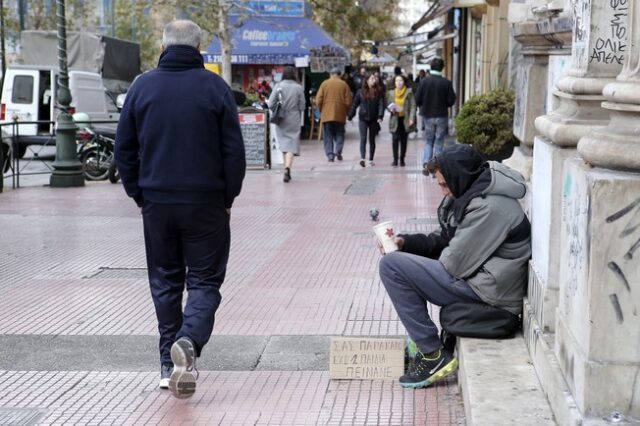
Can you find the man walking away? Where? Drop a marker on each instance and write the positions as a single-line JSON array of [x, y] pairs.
[[479, 255], [434, 97], [181, 158], [334, 99]]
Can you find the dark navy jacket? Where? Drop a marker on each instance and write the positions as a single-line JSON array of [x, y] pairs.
[[179, 139]]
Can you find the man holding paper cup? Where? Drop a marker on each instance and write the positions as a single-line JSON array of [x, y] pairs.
[[479, 255]]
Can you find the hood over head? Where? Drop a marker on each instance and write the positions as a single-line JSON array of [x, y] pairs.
[[495, 179], [460, 165], [505, 181]]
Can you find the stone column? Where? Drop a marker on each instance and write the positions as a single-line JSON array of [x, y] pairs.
[[596, 59], [539, 41], [598, 324], [618, 145]]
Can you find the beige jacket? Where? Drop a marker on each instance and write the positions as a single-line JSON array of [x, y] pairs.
[[334, 99]]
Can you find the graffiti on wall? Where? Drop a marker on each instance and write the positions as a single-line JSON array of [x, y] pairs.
[[630, 238], [575, 220], [582, 21], [611, 46]]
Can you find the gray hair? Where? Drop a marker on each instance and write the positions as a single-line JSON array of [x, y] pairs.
[[181, 31]]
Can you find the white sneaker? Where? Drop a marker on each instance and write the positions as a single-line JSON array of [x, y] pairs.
[[165, 375], [182, 383]]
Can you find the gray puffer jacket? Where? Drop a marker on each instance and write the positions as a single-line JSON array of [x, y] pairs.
[[492, 243], [485, 237]]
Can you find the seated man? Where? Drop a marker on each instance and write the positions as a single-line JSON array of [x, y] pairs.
[[480, 255]]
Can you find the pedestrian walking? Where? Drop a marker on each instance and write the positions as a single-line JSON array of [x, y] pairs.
[[434, 97], [334, 99], [181, 158], [369, 102], [290, 93], [358, 80], [401, 104]]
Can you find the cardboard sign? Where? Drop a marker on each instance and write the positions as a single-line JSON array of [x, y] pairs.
[[366, 358]]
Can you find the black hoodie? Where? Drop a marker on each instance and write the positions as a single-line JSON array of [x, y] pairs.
[[466, 175]]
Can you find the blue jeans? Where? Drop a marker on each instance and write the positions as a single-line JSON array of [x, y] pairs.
[[411, 281], [333, 131], [435, 131]]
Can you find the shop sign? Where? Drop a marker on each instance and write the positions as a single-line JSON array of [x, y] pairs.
[[267, 38], [290, 8]]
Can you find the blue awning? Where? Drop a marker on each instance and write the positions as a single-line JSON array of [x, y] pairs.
[[274, 40]]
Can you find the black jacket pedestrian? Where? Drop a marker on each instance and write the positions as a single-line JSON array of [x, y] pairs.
[[370, 109], [179, 138], [434, 96]]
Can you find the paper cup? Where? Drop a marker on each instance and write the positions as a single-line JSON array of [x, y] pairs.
[[386, 235]]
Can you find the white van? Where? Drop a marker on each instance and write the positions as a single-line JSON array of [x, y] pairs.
[[29, 95]]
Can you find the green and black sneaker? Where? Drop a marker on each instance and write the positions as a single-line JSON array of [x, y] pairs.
[[424, 371]]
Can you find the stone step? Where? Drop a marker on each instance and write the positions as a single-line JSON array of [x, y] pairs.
[[499, 384]]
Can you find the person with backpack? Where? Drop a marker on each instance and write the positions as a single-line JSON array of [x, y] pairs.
[[479, 256], [369, 102]]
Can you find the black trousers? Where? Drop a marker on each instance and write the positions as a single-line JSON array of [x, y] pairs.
[[371, 128], [185, 243], [399, 139]]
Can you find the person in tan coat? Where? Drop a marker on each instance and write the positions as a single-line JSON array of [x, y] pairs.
[[334, 100]]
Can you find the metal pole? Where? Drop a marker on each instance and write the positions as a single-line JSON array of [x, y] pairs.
[[21, 13], [67, 170]]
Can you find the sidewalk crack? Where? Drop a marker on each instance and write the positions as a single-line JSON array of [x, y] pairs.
[[254, 366], [73, 386]]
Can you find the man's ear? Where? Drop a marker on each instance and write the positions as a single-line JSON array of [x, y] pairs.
[[198, 47], [162, 46]]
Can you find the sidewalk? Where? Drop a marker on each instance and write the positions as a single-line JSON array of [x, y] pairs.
[[77, 326]]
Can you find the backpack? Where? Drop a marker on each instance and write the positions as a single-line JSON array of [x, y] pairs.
[[477, 320]]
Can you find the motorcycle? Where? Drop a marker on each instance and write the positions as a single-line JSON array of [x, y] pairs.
[[95, 154]]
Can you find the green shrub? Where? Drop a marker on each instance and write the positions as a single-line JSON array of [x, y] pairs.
[[486, 121]]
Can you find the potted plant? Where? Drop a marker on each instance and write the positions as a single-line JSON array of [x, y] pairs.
[[486, 122]]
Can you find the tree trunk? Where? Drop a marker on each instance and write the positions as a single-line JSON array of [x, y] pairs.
[[225, 40]]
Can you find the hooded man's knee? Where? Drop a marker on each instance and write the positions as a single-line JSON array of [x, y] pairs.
[[389, 263]]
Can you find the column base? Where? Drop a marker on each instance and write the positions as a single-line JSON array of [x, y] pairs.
[[543, 300], [540, 346], [597, 328], [601, 390], [66, 180], [576, 116], [546, 221], [618, 145]]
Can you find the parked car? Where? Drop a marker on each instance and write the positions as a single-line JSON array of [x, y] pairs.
[[30, 94]]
